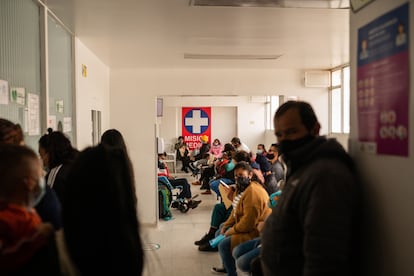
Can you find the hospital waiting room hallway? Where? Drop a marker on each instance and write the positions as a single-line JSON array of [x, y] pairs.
[[170, 248]]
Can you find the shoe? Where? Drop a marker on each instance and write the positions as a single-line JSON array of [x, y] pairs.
[[194, 203], [218, 270], [204, 239], [196, 183], [206, 247], [207, 192]]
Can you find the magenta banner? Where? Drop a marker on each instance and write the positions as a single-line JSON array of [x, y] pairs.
[[383, 83]]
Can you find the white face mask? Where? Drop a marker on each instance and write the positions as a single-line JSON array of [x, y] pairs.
[[37, 194]]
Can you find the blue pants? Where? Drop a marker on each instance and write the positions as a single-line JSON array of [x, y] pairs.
[[244, 254], [214, 184], [229, 264]]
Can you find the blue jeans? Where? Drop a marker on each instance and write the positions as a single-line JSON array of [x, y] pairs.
[[226, 257], [214, 184], [245, 253]]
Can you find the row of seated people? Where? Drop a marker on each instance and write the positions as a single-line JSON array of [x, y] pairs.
[[266, 177], [96, 232]]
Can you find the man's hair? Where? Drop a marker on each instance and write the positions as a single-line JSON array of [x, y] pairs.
[[235, 140], [242, 156], [276, 146], [14, 165], [244, 166], [305, 110], [10, 133]]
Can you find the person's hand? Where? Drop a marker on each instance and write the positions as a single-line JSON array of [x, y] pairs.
[[260, 226], [227, 232]]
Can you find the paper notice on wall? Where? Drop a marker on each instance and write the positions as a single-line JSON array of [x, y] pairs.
[[4, 92], [18, 95], [33, 114], [59, 106], [51, 122], [67, 124]]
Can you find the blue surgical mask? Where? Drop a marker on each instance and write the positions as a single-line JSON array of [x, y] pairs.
[[37, 194], [259, 151]]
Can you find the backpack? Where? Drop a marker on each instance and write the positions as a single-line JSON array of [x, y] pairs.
[[164, 200], [221, 167]]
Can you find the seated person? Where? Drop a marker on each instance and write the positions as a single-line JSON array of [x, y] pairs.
[[23, 236], [218, 170], [206, 160], [48, 207], [186, 192], [250, 207], [216, 149], [245, 253], [184, 156], [205, 148], [219, 215]]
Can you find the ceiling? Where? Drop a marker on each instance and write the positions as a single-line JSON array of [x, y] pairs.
[[160, 33]]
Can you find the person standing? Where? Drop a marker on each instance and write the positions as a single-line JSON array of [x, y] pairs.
[[312, 231]]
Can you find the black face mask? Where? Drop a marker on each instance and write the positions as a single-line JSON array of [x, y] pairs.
[[270, 156], [287, 146], [242, 183]]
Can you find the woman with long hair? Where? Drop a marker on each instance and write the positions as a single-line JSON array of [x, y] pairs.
[[100, 221]]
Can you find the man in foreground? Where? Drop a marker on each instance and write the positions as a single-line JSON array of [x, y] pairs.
[[312, 229]]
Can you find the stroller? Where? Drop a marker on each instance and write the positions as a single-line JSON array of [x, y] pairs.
[[176, 201]]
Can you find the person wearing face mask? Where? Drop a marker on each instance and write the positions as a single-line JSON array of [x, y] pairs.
[[250, 207], [273, 180], [24, 239], [216, 149], [313, 229], [48, 206]]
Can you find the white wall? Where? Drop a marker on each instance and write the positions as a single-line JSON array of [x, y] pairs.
[[92, 93], [133, 109], [231, 116], [388, 180]]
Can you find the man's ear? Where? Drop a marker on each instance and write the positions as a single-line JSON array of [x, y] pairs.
[[27, 183]]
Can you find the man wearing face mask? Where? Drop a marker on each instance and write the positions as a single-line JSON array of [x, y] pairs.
[[312, 230], [22, 233]]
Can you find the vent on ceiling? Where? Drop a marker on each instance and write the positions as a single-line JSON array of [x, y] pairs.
[[231, 56], [321, 4]]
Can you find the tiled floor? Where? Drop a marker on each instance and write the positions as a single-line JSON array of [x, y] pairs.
[[177, 254]]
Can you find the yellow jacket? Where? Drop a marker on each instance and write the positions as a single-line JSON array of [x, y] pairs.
[[251, 209]]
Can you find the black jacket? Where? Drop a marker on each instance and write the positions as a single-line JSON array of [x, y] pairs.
[[312, 229]]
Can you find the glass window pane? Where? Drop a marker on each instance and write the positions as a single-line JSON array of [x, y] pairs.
[[60, 77], [346, 89], [20, 62], [336, 110], [336, 78], [274, 102]]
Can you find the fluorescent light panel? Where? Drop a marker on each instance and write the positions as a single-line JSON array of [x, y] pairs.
[[231, 56]]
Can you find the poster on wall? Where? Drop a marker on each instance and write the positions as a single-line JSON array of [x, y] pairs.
[[18, 95], [196, 122], [33, 114], [4, 92], [383, 84]]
